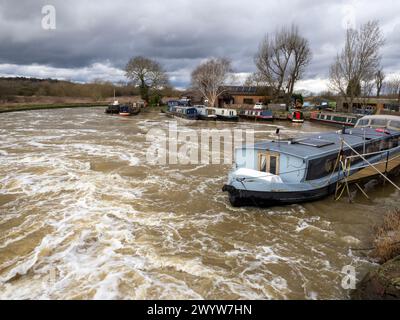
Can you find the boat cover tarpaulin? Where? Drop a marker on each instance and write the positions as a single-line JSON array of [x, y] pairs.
[[265, 176]]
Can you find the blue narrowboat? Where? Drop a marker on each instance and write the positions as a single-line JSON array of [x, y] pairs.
[[309, 168], [188, 113]]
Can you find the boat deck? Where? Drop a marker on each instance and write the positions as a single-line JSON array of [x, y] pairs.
[[369, 172]]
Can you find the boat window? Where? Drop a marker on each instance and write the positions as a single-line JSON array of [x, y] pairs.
[[394, 142], [363, 122], [379, 122], [262, 163], [269, 162], [321, 167], [273, 164], [395, 124], [328, 117]]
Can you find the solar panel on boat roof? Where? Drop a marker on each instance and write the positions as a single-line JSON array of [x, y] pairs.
[[313, 142]]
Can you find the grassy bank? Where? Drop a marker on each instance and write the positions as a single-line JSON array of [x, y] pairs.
[[28, 107]]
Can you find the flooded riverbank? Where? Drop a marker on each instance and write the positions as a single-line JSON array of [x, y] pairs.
[[84, 216]]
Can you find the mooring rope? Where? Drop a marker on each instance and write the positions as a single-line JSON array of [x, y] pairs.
[[362, 157]]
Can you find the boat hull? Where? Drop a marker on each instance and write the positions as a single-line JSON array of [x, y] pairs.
[[239, 198], [112, 110], [181, 116], [224, 118], [253, 118], [335, 123], [260, 118], [207, 118]]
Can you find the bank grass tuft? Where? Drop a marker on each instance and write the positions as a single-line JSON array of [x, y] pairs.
[[387, 238]]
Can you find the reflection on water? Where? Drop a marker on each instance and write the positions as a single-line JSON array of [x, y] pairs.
[[83, 216]]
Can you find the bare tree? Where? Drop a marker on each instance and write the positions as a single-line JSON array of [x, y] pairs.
[[358, 62], [282, 59], [210, 77], [147, 74], [392, 88], [379, 78], [253, 79]]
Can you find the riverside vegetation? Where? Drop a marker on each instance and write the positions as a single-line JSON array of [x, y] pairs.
[[384, 282]]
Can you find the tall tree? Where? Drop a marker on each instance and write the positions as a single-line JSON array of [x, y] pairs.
[[147, 74], [282, 58], [358, 62], [379, 78], [210, 77]]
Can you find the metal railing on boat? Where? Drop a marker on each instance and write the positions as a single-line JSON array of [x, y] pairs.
[[381, 168]]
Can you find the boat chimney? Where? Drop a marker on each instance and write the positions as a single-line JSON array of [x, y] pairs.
[[279, 136]]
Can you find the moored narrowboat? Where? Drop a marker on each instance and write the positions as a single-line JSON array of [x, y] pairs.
[[129, 109], [113, 108], [257, 115], [309, 168], [206, 113], [224, 114], [188, 113], [296, 116], [335, 118]]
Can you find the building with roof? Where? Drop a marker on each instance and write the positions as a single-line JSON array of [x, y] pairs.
[[369, 106], [244, 95]]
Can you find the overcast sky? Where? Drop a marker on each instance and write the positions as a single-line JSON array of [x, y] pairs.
[[95, 39]]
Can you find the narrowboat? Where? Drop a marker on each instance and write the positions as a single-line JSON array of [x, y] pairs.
[[226, 114], [129, 109], [124, 111], [335, 118], [188, 113], [179, 103], [205, 113], [309, 168], [113, 108], [296, 116], [257, 115]]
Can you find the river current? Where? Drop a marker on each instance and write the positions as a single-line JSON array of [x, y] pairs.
[[83, 215]]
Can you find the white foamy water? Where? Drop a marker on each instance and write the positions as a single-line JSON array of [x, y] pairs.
[[83, 216]]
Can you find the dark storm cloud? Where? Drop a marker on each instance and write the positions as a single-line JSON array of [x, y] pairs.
[[178, 33]]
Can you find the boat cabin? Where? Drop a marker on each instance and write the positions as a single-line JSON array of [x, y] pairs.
[[226, 112], [205, 111], [335, 118], [256, 113], [314, 157], [379, 121], [188, 112]]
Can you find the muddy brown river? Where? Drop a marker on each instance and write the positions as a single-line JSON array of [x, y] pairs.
[[83, 215]]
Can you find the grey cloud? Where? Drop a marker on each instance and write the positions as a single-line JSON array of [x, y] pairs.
[[182, 33]]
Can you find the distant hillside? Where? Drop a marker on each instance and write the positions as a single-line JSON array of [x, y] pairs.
[[10, 88]]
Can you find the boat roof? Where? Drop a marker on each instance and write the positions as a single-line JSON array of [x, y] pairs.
[[382, 116], [347, 115], [318, 145]]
